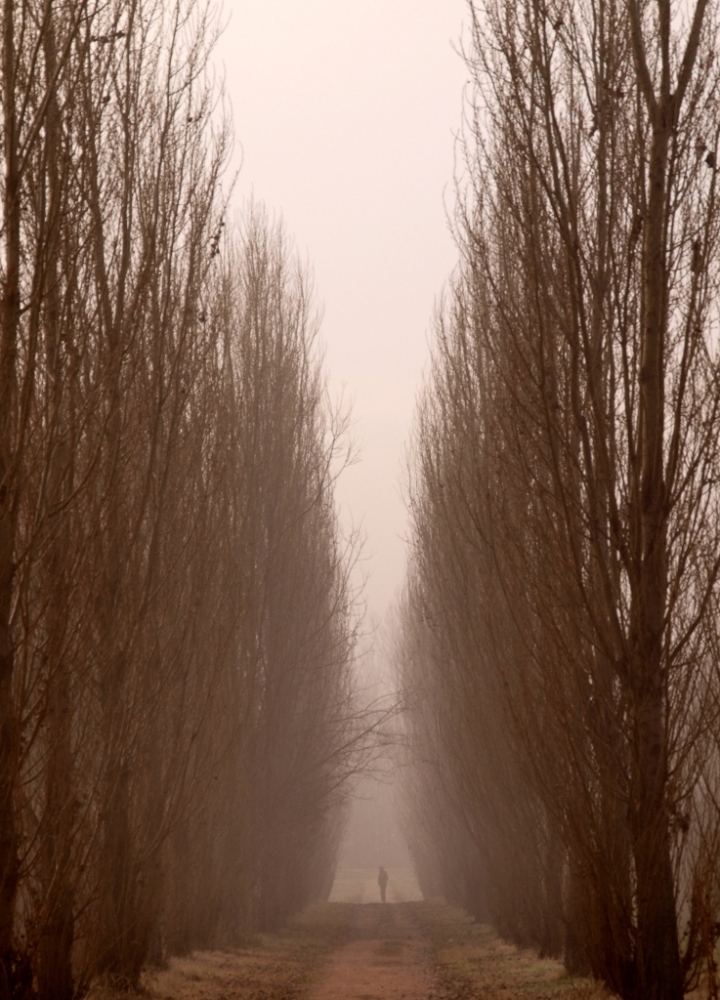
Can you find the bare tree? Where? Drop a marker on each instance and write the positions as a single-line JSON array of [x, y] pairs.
[[567, 483], [174, 599]]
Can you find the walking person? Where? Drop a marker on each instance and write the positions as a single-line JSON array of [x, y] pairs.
[[382, 882]]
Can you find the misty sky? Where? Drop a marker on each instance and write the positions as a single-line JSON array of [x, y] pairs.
[[346, 112]]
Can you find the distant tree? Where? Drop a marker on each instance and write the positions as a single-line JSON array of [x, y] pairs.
[[293, 733]]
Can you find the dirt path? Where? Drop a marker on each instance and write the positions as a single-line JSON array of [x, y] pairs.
[[386, 961], [371, 951]]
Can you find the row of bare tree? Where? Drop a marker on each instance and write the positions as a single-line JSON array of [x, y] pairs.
[[176, 625], [560, 636]]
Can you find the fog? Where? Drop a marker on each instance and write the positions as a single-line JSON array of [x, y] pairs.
[[345, 117], [374, 835]]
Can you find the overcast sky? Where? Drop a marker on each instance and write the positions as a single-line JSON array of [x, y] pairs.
[[346, 112]]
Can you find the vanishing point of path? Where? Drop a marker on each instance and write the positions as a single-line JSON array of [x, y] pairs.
[[386, 959]]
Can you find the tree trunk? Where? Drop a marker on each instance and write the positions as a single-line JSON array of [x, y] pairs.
[[659, 969], [10, 321], [54, 956]]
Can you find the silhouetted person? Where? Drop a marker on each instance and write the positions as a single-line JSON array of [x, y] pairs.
[[382, 882]]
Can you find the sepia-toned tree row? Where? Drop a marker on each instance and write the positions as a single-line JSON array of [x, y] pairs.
[[175, 620], [560, 638]]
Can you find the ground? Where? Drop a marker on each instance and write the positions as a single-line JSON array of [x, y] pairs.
[[355, 948]]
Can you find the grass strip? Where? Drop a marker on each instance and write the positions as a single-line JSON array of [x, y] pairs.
[[471, 961]]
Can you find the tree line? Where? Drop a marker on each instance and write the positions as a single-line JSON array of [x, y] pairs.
[[560, 628], [176, 620]]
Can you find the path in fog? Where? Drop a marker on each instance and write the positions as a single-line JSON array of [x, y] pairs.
[[387, 961], [360, 885]]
